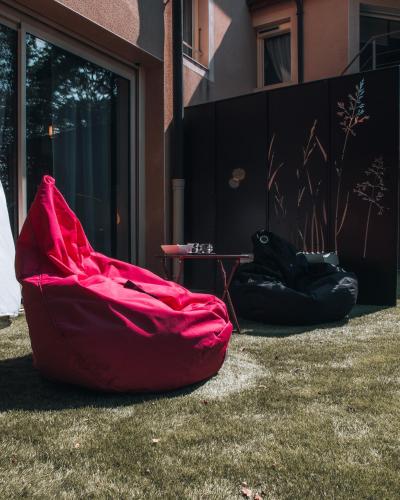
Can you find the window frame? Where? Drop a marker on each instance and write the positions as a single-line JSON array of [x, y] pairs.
[[24, 24], [271, 31], [194, 30], [390, 13], [200, 56]]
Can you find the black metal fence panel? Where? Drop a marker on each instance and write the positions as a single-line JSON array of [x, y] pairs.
[[299, 165], [364, 194], [241, 152], [200, 207], [315, 163]]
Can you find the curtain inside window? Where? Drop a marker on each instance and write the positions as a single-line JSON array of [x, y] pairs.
[[277, 60]]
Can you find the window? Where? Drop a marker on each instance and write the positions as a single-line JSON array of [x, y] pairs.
[[195, 30], [385, 51], [8, 120], [74, 122], [274, 60], [188, 41]]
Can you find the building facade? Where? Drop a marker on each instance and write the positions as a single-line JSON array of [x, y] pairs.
[[86, 92], [256, 44], [82, 100]]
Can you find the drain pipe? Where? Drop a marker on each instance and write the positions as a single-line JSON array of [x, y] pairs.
[[178, 181], [300, 40]]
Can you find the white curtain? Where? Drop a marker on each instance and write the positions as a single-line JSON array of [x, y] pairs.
[[278, 49], [10, 292], [82, 168]]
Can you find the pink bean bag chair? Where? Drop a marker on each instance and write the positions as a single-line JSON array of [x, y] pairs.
[[105, 324]]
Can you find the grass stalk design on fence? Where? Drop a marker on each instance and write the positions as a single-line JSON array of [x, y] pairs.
[[312, 223], [372, 190], [352, 115]]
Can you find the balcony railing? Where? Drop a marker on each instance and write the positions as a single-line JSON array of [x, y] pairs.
[[372, 62]]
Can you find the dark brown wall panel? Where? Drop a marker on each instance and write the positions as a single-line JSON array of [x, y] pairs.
[[298, 165], [365, 135], [241, 152], [200, 191]]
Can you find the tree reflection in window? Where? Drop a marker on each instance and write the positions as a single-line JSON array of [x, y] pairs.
[[77, 131], [8, 120]]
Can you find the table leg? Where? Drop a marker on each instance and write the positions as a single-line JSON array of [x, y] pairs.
[[226, 293], [165, 269], [180, 271], [231, 275]]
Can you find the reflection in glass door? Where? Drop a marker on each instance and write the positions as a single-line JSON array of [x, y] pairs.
[[77, 129], [8, 120]]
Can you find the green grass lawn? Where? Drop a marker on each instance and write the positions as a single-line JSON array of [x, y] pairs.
[[294, 413]]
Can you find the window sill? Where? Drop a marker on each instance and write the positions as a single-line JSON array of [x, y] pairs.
[[277, 85], [194, 65]]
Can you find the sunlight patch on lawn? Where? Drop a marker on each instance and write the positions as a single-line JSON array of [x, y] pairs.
[[351, 428], [343, 364], [238, 373]]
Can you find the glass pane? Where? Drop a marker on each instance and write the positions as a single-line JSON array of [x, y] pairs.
[[387, 46], [391, 55], [277, 61], [187, 6], [77, 117], [372, 26], [8, 121]]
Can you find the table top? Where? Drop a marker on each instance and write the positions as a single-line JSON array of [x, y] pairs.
[[205, 256]]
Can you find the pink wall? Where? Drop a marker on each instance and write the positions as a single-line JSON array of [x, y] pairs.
[[132, 20], [232, 59], [326, 28]]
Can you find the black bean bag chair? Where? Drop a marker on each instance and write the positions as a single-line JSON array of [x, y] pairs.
[[281, 287]]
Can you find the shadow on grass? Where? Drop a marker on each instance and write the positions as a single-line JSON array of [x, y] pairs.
[[257, 329], [360, 310], [264, 330], [5, 322], [23, 388]]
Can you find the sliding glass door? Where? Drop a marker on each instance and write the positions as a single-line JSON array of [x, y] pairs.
[[8, 120], [76, 127]]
